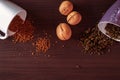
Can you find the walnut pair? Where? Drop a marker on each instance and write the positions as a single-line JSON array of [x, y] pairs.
[[73, 17]]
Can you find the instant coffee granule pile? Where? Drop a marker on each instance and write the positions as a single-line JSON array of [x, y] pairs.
[[15, 24], [24, 31], [95, 42], [42, 45]]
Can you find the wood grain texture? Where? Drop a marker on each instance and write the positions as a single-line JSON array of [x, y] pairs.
[[64, 63]]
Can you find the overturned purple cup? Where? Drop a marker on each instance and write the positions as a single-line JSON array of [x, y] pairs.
[[112, 16]]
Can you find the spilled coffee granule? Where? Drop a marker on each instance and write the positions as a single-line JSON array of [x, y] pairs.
[[42, 45], [113, 31], [95, 42], [15, 24], [24, 31]]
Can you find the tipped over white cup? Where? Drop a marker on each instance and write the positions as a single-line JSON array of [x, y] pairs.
[[8, 11]]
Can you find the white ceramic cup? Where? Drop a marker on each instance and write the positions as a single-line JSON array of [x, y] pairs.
[[8, 10]]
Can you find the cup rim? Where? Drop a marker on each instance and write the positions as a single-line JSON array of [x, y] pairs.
[[102, 25]]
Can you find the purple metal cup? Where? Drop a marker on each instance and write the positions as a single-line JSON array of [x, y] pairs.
[[112, 16]]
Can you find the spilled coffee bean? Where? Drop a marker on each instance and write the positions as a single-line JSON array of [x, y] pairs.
[[95, 42], [113, 31]]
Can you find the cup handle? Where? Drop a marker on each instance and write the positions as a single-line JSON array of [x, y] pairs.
[[3, 35]]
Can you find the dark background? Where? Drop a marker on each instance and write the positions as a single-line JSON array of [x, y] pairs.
[[59, 63]]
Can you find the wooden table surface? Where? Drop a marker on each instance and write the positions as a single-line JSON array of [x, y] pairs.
[[59, 63]]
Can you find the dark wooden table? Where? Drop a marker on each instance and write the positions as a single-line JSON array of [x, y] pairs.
[[59, 63]]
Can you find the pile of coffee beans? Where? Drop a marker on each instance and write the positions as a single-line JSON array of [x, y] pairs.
[[113, 31], [95, 42]]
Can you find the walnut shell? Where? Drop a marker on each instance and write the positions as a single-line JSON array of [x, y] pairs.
[[63, 31]]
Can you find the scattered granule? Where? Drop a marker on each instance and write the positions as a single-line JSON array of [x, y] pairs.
[[77, 66], [48, 56], [56, 42], [24, 31], [63, 46], [53, 44], [42, 45], [33, 53]]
